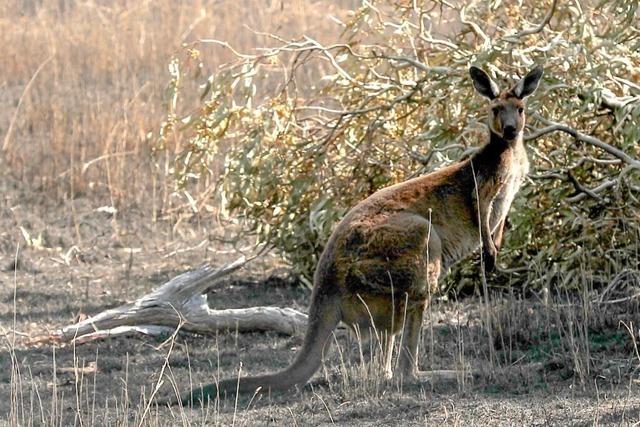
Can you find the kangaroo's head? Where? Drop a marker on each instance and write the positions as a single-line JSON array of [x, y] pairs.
[[506, 110]]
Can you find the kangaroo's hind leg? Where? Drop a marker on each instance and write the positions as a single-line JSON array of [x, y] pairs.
[[408, 359]]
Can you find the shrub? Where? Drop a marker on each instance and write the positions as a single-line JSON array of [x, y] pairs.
[[303, 130]]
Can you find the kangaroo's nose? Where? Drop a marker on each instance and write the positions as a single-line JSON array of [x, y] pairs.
[[509, 131]]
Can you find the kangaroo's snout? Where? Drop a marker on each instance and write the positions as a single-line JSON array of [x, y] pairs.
[[509, 132]]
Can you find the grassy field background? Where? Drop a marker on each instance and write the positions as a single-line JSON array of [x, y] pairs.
[[88, 221]]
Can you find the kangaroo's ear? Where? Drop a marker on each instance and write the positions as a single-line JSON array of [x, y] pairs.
[[528, 84], [483, 83]]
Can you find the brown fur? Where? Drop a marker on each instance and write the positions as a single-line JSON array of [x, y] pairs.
[[382, 263]]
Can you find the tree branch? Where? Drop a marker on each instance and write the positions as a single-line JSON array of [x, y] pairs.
[[584, 192], [181, 301], [581, 189], [554, 126]]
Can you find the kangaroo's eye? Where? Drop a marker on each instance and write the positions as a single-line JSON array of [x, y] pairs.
[[520, 110], [496, 110]]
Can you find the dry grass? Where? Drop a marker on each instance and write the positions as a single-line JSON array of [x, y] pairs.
[[98, 72], [536, 378]]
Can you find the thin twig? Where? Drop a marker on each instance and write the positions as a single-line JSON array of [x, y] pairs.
[[417, 64], [539, 27], [619, 300]]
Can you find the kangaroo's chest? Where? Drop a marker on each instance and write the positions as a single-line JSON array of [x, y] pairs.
[[509, 184]]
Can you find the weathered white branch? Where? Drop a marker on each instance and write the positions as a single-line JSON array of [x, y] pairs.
[[182, 301], [613, 102]]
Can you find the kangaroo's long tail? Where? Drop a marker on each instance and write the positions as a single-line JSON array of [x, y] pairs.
[[323, 318]]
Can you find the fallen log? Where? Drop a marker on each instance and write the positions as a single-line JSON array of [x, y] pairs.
[[182, 302]]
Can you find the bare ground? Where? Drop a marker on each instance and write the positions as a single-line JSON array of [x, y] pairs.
[[60, 261]]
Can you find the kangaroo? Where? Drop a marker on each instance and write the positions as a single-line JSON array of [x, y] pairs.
[[383, 261]]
